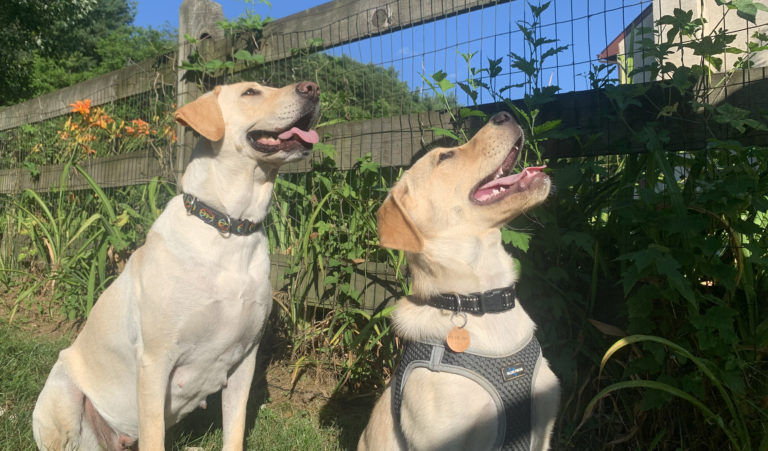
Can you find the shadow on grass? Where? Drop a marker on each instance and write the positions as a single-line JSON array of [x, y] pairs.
[[349, 413]]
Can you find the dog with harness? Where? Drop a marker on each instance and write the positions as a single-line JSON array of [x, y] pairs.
[[472, 375]]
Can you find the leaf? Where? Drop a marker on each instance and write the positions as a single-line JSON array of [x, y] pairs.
[[468, 56], [678, 349], [667, 110], [443, 132], [525, 66], [494, 67], [652, 385], [243, 54], [582, 240], [472, 93], [518, 240], [466, 112], [439, 76], [747, 9], [552, 51], [546, 126], [445, 85], [607, 329]]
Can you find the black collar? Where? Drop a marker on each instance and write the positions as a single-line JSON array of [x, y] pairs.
[[218, 220], [491, 301]]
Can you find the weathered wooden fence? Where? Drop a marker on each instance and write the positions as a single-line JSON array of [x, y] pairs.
[[392, 141]]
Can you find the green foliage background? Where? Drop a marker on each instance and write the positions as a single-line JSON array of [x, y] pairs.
[[664, 251], [51, 45]]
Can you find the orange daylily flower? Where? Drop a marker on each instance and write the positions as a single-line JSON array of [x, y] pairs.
[[81, 106], [142, 127]]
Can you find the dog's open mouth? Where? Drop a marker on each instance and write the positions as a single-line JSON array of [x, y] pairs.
[[297, 136], [503, 182]]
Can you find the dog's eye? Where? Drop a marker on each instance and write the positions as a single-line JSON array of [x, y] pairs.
[[444, 156], [251, 92]]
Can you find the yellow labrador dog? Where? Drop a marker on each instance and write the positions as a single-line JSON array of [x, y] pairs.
[[185, 317], [471, 376]]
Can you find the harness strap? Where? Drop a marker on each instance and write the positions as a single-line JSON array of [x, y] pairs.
[[508, 380]]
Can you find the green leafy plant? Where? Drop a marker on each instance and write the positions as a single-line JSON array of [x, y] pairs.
[[662, 244], [80, 239], [63, 236], [735, 427], [325, 227], [244, 32]]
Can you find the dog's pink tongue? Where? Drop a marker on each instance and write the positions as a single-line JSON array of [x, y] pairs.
[[486, 191], [308, 136], [514, 178]]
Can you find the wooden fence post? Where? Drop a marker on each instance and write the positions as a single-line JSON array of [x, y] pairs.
[[197, 18]]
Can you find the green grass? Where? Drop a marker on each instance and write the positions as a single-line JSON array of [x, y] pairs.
[[279, 426], [285, 424], [25, 361]]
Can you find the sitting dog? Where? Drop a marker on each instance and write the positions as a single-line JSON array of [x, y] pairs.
[[472, 376], [185, 317]]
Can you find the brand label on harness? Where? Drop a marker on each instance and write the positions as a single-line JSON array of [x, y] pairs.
[[512, 372]]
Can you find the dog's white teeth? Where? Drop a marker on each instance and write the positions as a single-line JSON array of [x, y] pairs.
[[266, 140]]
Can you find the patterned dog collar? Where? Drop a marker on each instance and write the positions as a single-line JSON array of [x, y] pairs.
[[220, 221], [491, 301]]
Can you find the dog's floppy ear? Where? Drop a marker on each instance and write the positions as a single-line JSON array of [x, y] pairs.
[[203, 115], [396, 229]]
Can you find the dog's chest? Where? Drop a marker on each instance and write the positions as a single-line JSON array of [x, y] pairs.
[[214, 337]]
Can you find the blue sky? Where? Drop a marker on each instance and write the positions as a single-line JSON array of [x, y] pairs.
[[585, 26], [157, 13]]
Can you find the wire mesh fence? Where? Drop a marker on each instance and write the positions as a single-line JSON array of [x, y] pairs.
[[379, 59], [390, 74]]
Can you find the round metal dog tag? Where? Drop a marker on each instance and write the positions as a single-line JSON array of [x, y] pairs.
[[458, 339]]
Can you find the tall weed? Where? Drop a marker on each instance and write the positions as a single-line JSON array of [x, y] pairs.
[[324, 224]]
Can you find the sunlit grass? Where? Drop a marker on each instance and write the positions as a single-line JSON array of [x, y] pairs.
[[281, 425]]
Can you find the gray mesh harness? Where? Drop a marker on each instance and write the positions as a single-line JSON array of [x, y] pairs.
[[509, 381]]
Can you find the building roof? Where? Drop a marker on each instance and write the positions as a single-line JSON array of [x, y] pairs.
[[609, 53]]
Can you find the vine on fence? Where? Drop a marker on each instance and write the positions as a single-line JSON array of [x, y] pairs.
[[245, 33]]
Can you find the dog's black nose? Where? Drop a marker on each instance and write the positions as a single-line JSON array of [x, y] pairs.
[[501, 118], [308, 90]]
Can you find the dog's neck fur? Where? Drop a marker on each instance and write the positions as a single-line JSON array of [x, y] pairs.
[[239, 185], [474, 264], [450, 265]]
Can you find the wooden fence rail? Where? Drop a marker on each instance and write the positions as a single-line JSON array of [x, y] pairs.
[[392, 141]]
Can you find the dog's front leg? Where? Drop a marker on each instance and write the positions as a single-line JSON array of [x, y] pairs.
[[151, 386], [234, 400]]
